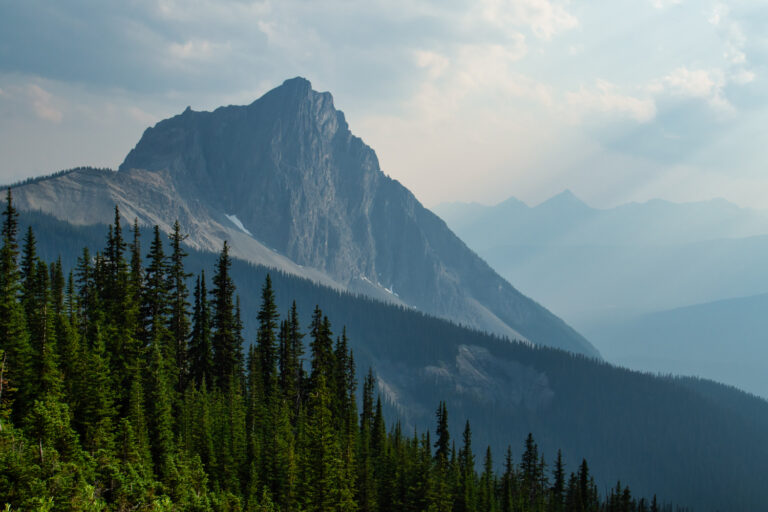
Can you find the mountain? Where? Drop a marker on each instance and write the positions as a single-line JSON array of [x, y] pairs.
[[691, 441], [565, 219], [285, 181], [725, 340], [621, 275], [597, 265]]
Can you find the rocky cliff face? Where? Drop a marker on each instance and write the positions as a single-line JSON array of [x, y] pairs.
[[284, 175]]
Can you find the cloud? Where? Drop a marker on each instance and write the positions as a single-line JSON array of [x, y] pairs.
[[606, 98], [474, 76], [663, 4], [545, 18], [732, 34], [196, 49], [742, 77], [443, 75], [41, 103], [142, 116], [434, 63], [697, 83]]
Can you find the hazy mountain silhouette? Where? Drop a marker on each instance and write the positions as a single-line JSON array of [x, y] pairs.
[[289, 185]]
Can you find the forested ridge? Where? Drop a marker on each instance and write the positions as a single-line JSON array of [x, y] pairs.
[[122, 389]]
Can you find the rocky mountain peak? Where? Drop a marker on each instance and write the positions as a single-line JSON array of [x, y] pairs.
[[287, 171]]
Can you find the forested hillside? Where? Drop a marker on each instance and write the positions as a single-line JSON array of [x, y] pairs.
[[625, 423], [658, 434], [114, 397]]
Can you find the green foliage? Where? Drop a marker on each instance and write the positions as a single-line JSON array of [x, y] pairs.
[[109, 401], [225, 338]]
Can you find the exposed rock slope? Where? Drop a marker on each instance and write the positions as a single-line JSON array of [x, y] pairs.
[[287, 170]]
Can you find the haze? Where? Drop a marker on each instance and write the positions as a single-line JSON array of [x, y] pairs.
[[470, 101]]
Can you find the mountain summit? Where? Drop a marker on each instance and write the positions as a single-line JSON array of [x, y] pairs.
[[287, 183]]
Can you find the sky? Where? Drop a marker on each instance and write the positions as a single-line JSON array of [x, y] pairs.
[[463, 100]]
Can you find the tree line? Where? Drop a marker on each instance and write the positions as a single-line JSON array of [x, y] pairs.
[[122, 389]]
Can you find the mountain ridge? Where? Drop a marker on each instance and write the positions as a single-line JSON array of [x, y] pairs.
[[723, 340], [290, 170]]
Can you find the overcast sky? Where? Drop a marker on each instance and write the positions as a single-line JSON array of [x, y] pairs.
[[472, 100]]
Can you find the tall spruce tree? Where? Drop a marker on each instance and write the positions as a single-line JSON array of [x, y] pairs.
[[557, 494], [321, 345], [442, 444], [14, 337], [179, 297], [200, 350], [28, 268], [465, 492], [295, 379], [155, 305], [160, 415], [41, 325], [223, 322], [266, 338]]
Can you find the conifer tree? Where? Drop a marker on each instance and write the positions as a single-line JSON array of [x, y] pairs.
[[266, 338], [203, 441], [284, 373], [223, 322], [14, 338], [366, 491], [508, 483], [28, 268], [530, 472], [160, 419], [179, 293], [322, 486], [465, 495], [58, 286], [133, 302], [557, 495], [137, 273], [487, 494], [97, 405], [239, 343], [115, 253], [155, 300], [321, 345], [116, 280], [10, 224], [69, 343], [294, 379], [86, 291], [442, 444], [41, 325], [137, 407], [200, 351]]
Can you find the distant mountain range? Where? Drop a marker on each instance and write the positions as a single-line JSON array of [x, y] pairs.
[[565, 220], [725, 340], [590, 264], [285, 181], [614, 273]]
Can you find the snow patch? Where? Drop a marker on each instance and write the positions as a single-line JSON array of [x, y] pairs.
[[239, 225], [391, 290]]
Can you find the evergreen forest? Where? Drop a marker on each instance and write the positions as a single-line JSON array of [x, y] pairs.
[[125, 384]]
